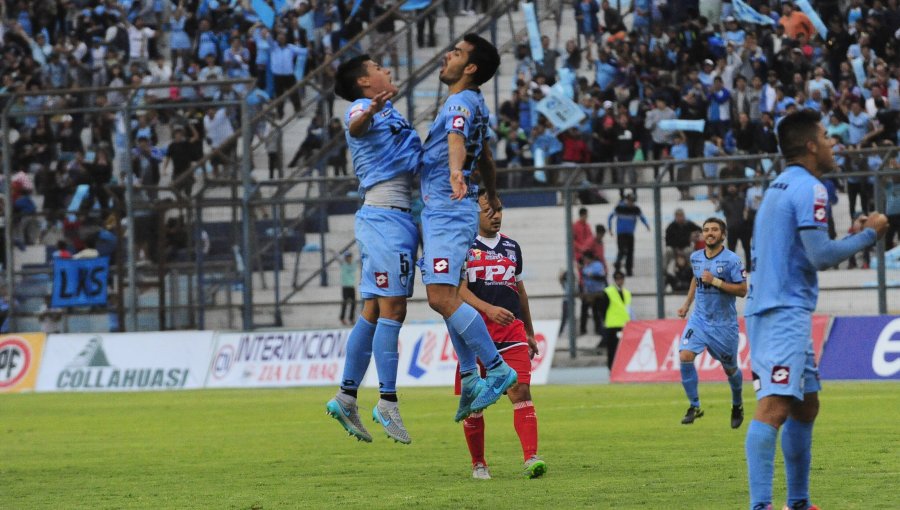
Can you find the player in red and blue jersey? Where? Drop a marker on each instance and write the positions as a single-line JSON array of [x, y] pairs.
[[493, 285]]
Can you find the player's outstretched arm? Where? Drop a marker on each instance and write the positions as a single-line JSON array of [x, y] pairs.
[[823, 252], [497, 314], [526, 318], [456, 154], [359, 125], [686, 307]]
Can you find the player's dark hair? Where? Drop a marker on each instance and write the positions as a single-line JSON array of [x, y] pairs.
[[485, 57], [346, 75], [718, 221], [618, 274], [795, 130]]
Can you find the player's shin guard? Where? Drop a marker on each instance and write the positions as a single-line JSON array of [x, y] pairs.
[[796, 444], [466, 357], [470, 326], [736, 381], [359, 350], [473, 426], [689, 379], [386, 355], [760, 450], [525, 422]]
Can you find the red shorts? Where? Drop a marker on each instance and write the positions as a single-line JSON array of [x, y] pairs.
[[516, 357]]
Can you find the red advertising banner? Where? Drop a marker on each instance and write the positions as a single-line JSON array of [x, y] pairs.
[[648, 352]]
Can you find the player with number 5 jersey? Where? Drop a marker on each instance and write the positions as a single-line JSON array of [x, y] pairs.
[[386, 151]]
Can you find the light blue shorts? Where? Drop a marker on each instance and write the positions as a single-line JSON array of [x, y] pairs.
[[388, 241], [720, 341], [447, 234], [781, 353]]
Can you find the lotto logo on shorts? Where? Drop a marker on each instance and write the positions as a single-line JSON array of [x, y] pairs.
[[441, 266], [781, 375], [381, 280], [820, 213], [459, 122]]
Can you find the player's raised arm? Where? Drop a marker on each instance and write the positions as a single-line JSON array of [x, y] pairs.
[[360, 122]]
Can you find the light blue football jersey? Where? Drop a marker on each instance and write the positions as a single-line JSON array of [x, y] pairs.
[[389, 148], [781, 274], [712, 306], [464, 113]]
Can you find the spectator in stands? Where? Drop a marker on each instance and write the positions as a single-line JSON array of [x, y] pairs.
[[734, 207], [593, 277], [62, 250], [662, 138], [218, 130], [145, 164], [680, 152], [582, 237], [181, 154], [89, 251], [679, 279], [678, 236], [627, 215]]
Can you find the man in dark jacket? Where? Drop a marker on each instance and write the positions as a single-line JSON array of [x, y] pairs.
[[678, 236]]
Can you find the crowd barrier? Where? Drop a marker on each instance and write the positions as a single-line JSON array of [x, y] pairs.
[[174, 360]]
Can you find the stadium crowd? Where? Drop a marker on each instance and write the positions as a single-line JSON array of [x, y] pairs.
[[659, 60]]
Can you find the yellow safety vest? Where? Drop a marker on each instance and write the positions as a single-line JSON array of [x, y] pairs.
[[617, 311]]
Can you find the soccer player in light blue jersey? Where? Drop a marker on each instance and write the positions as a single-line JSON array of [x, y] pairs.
[[385, 150], [790, 244], [719, 278], [457, 144]]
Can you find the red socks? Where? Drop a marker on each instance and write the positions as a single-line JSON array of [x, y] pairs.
[[525, 421], [473, 426]]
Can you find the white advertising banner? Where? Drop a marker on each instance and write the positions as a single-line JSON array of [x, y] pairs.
[[125, 361], [427, 357], [278, 358]]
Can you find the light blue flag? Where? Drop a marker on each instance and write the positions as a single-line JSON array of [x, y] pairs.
[[606, 73], [279, 5], [355, 8], [566, 82], [534, 32], [860, 71], [743, 12], [265, 13], [561, 111], [682, 125], [415, 5], [813, 17]]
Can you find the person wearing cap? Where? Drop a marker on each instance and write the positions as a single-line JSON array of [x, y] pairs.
[[795, 22], [733, 32]]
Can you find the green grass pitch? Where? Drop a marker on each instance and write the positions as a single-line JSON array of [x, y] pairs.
[[606, 447]]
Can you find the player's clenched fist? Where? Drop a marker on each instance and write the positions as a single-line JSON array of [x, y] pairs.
[[877, 222]]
